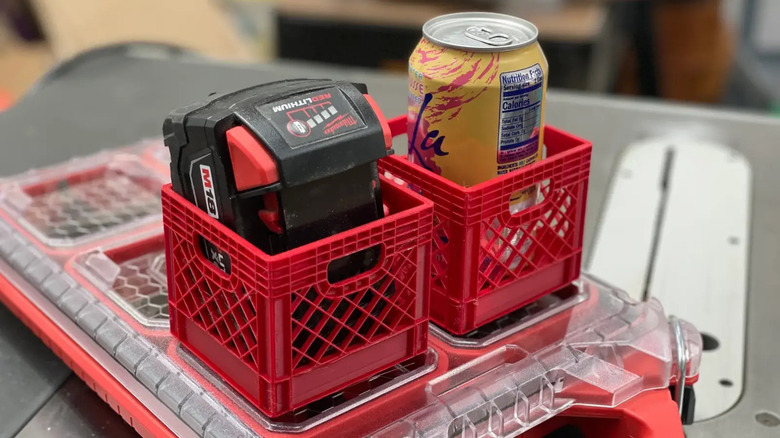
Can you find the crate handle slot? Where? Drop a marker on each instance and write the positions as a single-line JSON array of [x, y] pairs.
[[219, 263], [337, 284], [530, 214]]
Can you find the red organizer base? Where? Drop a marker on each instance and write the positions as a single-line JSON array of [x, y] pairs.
[[275, 328], [651, 414], [478, 271], [105, 385]]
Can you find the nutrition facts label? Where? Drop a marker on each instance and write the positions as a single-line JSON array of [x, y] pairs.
[[520, 117]]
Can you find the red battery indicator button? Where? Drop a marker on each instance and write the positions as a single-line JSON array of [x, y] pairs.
[[253, 166]]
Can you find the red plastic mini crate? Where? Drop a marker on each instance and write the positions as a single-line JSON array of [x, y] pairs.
[[275, 328], [488, 262]]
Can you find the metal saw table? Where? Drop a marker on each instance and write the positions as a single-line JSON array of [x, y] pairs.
[[118, 96]]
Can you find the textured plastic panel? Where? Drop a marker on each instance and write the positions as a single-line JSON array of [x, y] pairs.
[[488, 261], [133, 276], [274, 327], [83, 200]]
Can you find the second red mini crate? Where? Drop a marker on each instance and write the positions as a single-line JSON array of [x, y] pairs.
[[274, 327], [488, 262]]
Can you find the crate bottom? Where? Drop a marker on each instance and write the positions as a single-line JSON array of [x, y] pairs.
[[460, 318], [330, 406], [298, 391], [499, 329]]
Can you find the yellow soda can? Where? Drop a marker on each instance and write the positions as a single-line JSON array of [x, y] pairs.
[[477, 88]]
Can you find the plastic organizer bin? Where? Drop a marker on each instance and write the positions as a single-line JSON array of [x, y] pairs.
[[132, 275], [84, 199], [274, 327], [487, 261]]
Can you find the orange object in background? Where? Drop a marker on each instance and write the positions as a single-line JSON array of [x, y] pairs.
[[5, 100], [695, 50]]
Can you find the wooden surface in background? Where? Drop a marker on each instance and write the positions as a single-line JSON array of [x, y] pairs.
[[21, 62], [72, 26]]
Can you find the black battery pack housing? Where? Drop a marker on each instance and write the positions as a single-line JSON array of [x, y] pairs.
[[282, 164]]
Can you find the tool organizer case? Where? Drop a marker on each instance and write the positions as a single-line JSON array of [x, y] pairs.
[[582, 354]]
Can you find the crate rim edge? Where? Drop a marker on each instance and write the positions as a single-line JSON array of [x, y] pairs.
[[582, 144]]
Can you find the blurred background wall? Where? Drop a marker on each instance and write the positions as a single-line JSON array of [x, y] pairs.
[[706, 51]]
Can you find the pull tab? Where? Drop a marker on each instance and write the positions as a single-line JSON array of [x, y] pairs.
[[485, 35]]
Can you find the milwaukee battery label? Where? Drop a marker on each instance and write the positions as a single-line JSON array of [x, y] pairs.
[[311, 117], [520, 118], [204, 188], [207, 179]]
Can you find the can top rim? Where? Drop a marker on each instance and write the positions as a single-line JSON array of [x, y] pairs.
[[480, 31]]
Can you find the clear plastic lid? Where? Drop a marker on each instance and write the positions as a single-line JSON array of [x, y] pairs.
[[610, 349], [85, 198]]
